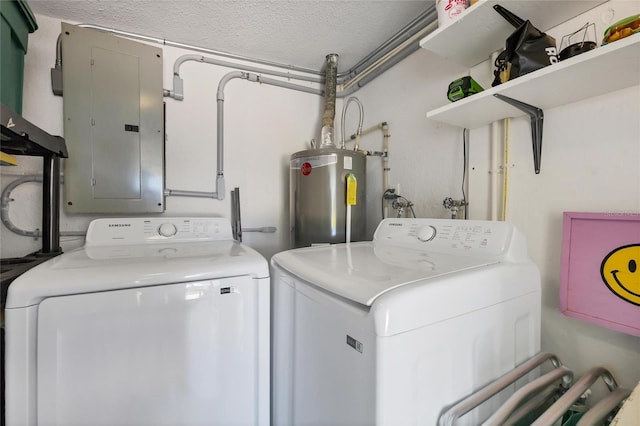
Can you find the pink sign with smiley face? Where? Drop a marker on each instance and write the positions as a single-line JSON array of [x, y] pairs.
[[600, 281]]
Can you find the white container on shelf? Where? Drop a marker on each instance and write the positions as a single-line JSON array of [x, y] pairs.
[[449, 10]]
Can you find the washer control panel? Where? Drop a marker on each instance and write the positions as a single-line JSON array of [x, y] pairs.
[[167, 230], [123, 231], [482, 237], [426, 233]]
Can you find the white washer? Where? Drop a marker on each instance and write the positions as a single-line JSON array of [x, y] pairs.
[[161, 321], [392, 331]]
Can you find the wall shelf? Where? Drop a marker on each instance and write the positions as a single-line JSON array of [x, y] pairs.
[[480, 30], [606, 69]]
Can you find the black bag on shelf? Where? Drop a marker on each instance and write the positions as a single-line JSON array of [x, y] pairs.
[[527, 49]]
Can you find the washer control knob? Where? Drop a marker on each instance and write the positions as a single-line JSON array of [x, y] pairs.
[[426, 233], [167, 230]]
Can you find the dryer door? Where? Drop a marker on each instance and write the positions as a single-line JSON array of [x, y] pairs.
[[163, 355]]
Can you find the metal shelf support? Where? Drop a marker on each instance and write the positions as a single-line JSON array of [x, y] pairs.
[[537, 118]]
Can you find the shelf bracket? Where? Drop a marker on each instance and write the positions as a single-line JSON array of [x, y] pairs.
[[537, 117]]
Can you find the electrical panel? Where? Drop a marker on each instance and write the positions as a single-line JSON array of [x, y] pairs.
[[113, 123]]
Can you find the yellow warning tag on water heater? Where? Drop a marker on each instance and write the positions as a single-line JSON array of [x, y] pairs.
[[352, 186]]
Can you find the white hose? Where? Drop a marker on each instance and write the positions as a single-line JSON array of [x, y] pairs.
[[361, 120]]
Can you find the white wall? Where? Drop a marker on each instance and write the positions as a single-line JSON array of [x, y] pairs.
[[425, 157]]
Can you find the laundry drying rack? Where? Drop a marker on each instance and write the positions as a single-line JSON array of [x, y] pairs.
[[552, 398]]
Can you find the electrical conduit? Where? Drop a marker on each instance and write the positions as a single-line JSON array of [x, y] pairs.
[[4, 210], [178, 85], [220, 183], [392, 50]]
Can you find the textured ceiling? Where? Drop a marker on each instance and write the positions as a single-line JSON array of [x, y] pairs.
[[294, 32]]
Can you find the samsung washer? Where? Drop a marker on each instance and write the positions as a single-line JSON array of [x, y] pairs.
[[161, 321], [392, 331]]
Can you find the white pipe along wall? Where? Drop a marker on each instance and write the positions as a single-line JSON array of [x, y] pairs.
[[265, 125]]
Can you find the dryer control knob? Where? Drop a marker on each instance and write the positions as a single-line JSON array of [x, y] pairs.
[[426, 233], [167, 230]]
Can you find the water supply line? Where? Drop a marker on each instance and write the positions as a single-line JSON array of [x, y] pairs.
[[453, 205], [358, 132], [384, 127], [399, 203], [384, 154]]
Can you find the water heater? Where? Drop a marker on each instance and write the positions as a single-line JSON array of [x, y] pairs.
[[318, 204]]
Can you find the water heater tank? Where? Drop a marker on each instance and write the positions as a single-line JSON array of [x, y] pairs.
[[318, 181]]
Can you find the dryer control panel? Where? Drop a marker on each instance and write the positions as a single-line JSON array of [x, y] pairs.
[[472, 236], [124, 231]]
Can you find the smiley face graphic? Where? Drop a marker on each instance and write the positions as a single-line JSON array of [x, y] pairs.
[[620, 271]]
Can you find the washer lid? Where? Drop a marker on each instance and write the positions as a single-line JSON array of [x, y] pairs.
[[103, 268], [364, 271]]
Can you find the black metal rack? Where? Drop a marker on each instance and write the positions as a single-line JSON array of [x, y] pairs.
[[20, 137]]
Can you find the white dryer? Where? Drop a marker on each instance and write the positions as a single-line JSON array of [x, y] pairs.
[[392, 331], [161, 321]]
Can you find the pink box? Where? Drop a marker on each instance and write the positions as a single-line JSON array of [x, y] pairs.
[[600, 280]]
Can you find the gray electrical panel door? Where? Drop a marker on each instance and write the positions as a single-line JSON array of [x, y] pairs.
[[113, 123]]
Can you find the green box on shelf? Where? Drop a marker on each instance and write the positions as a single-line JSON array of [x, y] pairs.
[[17, 21]]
